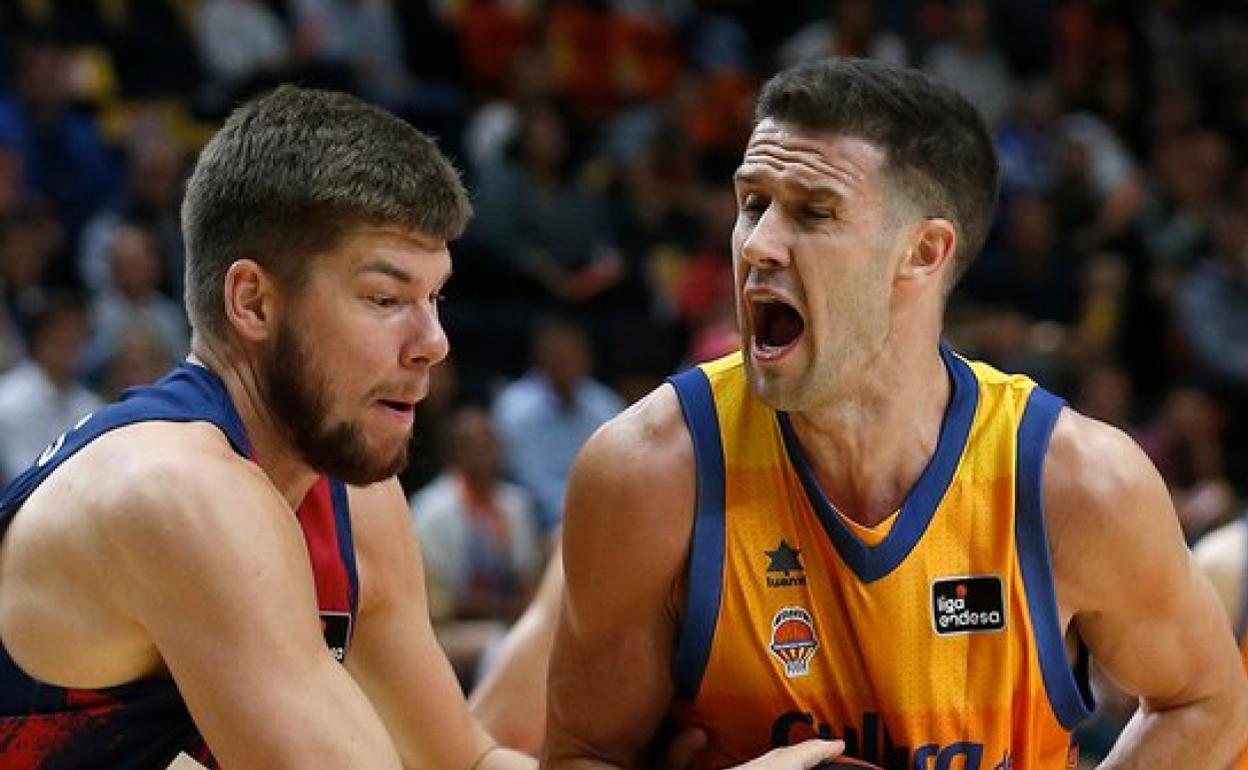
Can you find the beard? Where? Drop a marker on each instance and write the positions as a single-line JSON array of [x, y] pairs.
[[299, 393]]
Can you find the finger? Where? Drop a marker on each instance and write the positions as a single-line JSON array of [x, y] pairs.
[[683, 748], [802, 756]]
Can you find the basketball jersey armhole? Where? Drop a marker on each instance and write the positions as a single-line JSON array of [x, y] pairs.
[[706, 553], [1068, 689]]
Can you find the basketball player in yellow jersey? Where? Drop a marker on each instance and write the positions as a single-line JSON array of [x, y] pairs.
[[1223, 555], [848, 530]]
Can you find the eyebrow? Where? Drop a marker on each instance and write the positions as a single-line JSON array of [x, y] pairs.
[[385, 268], [811, 190]]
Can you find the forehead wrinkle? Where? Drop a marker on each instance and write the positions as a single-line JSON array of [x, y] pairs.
[[809, 165]]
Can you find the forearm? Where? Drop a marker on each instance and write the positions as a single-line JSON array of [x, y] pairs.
[[1205, 734]]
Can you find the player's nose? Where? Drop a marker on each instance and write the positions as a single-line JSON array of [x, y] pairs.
[[768, 244], [427, 342]]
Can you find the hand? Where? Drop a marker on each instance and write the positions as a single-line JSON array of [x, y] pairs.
[[802, 756]]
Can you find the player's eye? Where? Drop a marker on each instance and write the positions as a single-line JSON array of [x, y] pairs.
[[753, 205]]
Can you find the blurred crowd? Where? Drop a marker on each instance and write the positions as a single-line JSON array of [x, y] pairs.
[[598, 138]]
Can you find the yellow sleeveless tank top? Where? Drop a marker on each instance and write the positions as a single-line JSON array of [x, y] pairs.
[[933, 644]]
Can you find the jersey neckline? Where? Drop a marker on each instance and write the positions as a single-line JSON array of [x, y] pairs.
[[871, 563]]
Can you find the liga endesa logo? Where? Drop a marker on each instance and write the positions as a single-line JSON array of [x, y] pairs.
[[963, 605]]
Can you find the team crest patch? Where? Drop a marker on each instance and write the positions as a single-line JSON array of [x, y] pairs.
[[793, 640], [964, 605]]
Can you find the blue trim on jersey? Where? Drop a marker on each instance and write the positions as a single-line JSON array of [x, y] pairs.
[[1069, 695], [346, 545], [706, 557], [871, 563]]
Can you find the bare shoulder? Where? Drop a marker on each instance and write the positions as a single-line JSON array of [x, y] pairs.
[[385, 545], [122, 532], [139, 478], [1106, 508], [1223, 556], [629, 506], [179, 478], [645, 450]]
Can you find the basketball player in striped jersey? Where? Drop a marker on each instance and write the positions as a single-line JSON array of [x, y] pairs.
[[848, 530], [1223, 555]]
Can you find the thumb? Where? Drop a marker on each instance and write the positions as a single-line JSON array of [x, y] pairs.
[[683, 748], [802, 756]]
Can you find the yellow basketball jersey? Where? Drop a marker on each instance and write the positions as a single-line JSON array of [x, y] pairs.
[[934, 647]]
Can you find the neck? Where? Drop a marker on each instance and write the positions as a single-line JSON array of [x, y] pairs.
[[271, 446], [869, 447]]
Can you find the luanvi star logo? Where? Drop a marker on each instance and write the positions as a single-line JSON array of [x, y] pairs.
[[784, 560]]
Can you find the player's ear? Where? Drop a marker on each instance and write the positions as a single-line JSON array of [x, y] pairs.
[[250, 300], [930, 253]]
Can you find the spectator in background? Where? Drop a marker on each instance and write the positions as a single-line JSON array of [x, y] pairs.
[[1111, 172], [1185, 443], [27, 239], [139, 358], [478, 532], [155, 175], [545, 416], [41, 398], [848, 29], [64, 160], [970, 62], [12, 188], [1027, 269], [244, 45], [132, 299], [361, 40], [535, 217], [152, 48], [1212, 306]]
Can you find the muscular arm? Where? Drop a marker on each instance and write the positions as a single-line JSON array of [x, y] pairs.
[[626, 535], [1133, 594], [395, 656], [211, 563]]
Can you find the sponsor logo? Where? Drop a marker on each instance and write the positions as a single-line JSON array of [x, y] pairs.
[[793, 640], [964, 605], [336, 627], [870, 741], [782, 563]]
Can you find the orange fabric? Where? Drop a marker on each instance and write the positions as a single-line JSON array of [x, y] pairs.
[[1243, 757], [875, 671]]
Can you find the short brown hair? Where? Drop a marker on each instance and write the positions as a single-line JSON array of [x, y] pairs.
[[294, 170], [937, 146]]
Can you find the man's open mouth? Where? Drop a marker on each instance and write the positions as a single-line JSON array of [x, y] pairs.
[[777, 325]]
